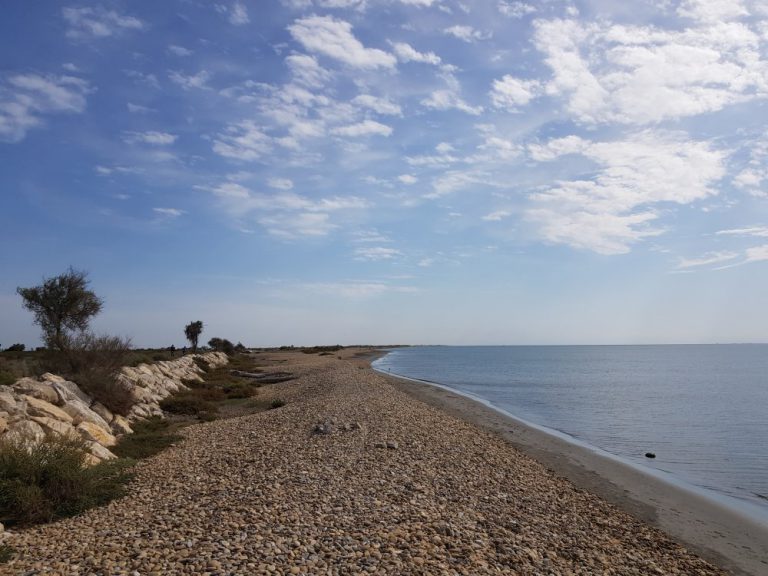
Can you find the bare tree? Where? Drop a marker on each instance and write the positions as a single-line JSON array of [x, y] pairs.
[[62, 305], [192, 331]]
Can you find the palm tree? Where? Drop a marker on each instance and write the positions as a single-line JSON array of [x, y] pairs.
[[192, 332]]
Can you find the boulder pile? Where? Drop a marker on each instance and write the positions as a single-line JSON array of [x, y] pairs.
[[30, 408]]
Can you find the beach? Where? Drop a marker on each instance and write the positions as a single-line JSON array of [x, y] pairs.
[[363, 473]]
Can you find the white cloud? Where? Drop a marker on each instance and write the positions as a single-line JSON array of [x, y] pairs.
[[609, 213], [407, 179], [515, 9], [280, 183], [333, 38], [231, 190], [557, 147], [370, 236], [242, 141], [706, 260], [755, 231], [497, 215], [138, 109], [26, 98], [307, 71], [423, 3], [511, 92], [448, 99], [376, 253], [406, 53], [199, 80], [168, 212], [645, 75], [179, 50], [96, 22], [364, 128], [380, 105], [712, 10], [354, 4], [70, 67], [238, 14], [353, 289], [151, 137], [466, 33], [757, 254]]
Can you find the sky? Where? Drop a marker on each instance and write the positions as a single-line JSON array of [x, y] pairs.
[[299, 172]]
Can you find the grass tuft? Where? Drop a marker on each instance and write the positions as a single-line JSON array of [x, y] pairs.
[[149, 437], [49, 480]]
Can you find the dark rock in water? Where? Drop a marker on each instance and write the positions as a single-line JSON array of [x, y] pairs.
[[650, 455]]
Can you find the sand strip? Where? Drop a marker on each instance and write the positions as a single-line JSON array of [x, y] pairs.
[[719, 534]]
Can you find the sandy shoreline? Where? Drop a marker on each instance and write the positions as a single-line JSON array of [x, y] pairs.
[[351, 476], [719, 534]]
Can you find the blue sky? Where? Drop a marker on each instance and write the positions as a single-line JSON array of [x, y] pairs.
[[390, 171]]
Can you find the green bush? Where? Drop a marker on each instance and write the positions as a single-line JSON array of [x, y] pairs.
[[49, 480], [149, 437], [16, 348], [189, 404], [6, 378], [277, 403]]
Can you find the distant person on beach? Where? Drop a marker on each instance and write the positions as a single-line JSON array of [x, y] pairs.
[[184, 351], [173, 350]]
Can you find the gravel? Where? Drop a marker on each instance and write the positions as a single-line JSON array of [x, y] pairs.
[[390, 486]]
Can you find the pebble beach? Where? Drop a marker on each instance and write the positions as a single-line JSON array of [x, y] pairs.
[[351, 476]]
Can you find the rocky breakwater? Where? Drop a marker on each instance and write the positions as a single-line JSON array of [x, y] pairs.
[[30, 408]]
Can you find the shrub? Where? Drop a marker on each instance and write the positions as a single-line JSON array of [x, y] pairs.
[[186, 404], [149, 437], [202, 363], [6, 378], [16, 348], [277, 403], [94, 361], [51, 480], [222, 345], [6, 553]]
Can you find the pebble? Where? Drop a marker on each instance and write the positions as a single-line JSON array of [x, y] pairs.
[[259, 494]]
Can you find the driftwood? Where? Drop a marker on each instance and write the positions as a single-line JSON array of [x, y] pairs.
[[264, 378]]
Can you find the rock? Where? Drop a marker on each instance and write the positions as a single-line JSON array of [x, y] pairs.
[[89, 431], [39, 390], [26, 432], [8, 402], [55, 426], [37, 407], [392, 445], [120, 425], [69, 391], [323, 428], [102, 411], [100, 451], [81, 412], [650, 455], [3, 424]]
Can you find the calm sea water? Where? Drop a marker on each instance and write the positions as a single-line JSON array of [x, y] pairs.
[[703, 410]]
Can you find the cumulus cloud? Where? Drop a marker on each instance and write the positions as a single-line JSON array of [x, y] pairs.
[[380, 105], [615, 209], [152, 137], [497, 215], [557, 147], [307, 71], [511, 92], [168, 212], [645, 75], [25, 99], [406, 53], [179, 50], [243, 140], [187, 82], [515, 9], [364, 128], [448, 99], [407, 179], [333, 38], [466, 33], [376, 253], [96, 22], [280, 183]]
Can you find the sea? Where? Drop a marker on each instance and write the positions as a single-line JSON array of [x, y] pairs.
[[701, 409]]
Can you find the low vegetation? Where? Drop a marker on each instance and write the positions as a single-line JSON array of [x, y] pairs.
[[149, 437], [49, 480]]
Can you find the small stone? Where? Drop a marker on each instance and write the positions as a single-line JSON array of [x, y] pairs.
[[392, 445]]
